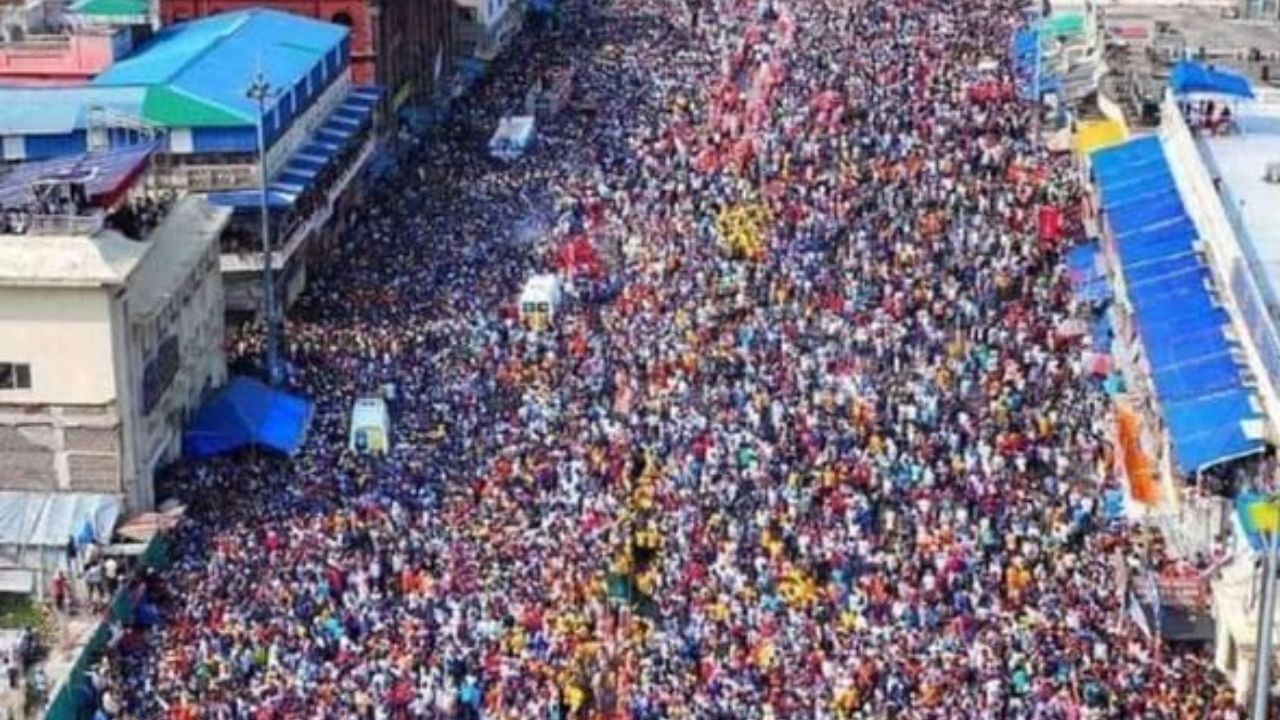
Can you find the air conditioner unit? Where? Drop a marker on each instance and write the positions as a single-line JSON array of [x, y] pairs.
[[1273, 173]]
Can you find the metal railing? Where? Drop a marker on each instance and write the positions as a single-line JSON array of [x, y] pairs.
[[87, 225]]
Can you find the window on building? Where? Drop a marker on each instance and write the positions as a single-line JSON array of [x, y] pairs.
[[15, 376], [342, 18]]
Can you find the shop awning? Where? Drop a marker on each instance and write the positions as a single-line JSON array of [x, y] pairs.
[[250, 199], [1210, 412], [1196, 378], [1190, 77], [247, 413], [1214, 429], [1158, 270]]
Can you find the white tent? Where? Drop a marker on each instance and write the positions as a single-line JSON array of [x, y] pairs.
[[35, 528], [513, 137]]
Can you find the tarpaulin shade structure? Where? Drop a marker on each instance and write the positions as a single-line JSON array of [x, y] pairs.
[[247, 413], [250, 199], [1214, 429], [1098, 134], [1209, 410], [106, 174], [36, 527], [1192, 77]]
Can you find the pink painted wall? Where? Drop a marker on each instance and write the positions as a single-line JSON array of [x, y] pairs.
[[57, 59]]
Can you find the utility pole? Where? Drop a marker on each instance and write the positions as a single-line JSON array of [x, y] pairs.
[[1266, 518], [1266, 621], [260, 90]]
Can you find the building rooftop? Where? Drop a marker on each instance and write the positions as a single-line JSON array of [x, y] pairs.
[[177, 245], [189, 75], [1240, 161], [1198, 26], [59, 110], [198, 70], [107, 258]]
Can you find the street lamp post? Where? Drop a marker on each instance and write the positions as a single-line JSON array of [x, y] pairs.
[[260, 90], [1266, 515]]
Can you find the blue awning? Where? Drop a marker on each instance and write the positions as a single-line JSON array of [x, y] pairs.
[[1157, 270], [1155, 329], [1161, 250], [1189, 346], [336, 132], [1132, 217], [320, 149], [1180, 291], [367, 93], [1192, 77], [250, 199], [303, 168], [1210, 430], [248, 413], [1196, 378], [1198, 382], [1152, 185]]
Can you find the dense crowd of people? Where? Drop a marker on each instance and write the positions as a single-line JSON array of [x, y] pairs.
[[850, 467]]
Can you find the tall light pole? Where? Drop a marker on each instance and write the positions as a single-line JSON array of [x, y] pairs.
[[260, 90], [1266, 517]]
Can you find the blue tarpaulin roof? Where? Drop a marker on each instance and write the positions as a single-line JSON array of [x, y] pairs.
[[1209, 430], [1158, 270], [1192, 77], [250, 199], [1199, 384], [248, 413], [1196, 378], [1185, 347]]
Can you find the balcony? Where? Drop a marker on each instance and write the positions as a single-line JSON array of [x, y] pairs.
[[293, 233]]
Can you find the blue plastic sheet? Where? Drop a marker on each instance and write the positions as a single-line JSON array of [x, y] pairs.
[[1192, 77], [1185, 347], [1207, 431], [1158, 270], [247, 413], [1196, 378]]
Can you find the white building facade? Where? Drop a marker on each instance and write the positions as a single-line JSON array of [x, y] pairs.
[[107, 345]]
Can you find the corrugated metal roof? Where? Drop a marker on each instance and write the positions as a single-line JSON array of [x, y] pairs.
[[208, 63], [54, 111]]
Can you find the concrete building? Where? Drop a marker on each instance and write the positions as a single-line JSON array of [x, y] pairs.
[[403, 46], [483, 28], [106, 345], [185, 90]]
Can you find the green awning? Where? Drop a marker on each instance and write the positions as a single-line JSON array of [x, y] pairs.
[[112, 8], [1067, 25]]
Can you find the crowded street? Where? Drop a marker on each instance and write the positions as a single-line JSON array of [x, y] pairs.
[[804, 440]]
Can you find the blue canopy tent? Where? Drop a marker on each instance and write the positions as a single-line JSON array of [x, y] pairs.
[[1192, 77], [248, 413]]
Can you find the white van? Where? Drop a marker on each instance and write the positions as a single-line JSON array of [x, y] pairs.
[[539, 301], [370, 426]]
